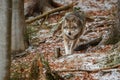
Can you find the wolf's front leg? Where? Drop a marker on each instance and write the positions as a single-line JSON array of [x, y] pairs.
[[73, 45], [67, 47]]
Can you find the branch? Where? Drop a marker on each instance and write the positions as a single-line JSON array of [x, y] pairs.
[[89, 43], [85, 70], [50, 12]]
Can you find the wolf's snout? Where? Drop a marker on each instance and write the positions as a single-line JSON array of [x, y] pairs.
[[69, 33]]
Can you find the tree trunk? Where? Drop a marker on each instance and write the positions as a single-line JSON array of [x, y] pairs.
[[5, 34], [18, 26]]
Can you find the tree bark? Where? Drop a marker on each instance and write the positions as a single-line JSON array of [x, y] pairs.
[[18, 26], [5, 34]]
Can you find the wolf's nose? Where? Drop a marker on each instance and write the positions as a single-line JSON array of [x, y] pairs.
[[69, 33]]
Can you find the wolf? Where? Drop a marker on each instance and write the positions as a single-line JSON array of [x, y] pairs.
[[73, 26]]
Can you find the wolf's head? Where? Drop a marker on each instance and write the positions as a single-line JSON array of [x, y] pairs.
[[73, 24]]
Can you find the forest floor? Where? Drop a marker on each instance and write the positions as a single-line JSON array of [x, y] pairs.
[[81, 65]]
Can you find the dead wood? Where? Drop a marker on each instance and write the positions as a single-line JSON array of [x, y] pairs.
[[85, 70], [50, 12], [57, 53], [88, 44], [19, 55]]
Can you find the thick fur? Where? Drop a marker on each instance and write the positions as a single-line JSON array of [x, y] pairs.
[[72, 28]]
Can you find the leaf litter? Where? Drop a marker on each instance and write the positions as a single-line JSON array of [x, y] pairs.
[[81, 65]]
